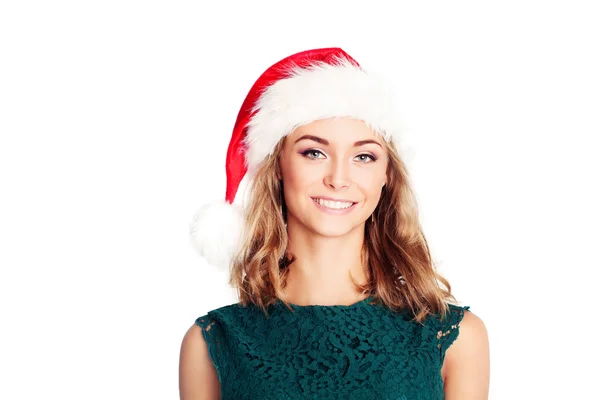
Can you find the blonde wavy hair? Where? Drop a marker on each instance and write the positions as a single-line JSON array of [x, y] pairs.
[[401, 273]]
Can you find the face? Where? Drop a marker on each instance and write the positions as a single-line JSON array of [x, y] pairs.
[[333, 171]]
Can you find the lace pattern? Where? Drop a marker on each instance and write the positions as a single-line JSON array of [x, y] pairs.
[[363, 351]]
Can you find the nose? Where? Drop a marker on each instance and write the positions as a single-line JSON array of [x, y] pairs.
[[338, 175]]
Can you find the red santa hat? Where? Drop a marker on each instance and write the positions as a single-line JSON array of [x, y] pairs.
[[304, 87]]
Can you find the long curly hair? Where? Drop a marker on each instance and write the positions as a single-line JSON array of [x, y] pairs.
[[400, 273]]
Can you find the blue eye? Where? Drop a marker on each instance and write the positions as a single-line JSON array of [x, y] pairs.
[[366, 155], [311, 151]]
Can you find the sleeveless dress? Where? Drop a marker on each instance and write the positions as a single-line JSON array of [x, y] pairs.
[[359, 351]]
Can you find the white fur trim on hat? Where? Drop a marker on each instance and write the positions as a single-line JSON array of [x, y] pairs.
[[317, 92]]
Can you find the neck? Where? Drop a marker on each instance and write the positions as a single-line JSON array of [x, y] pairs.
[[321, 272]]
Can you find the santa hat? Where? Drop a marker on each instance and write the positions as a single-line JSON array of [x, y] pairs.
[[304, 87]]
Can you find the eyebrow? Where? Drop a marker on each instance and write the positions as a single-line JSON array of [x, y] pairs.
[[326, 143]]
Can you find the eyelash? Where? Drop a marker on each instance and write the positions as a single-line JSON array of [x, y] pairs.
[[306, 152]]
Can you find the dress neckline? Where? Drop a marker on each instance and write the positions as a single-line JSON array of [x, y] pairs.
[[331, 306]]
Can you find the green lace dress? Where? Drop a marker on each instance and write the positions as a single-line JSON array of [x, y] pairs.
[[360, 351]]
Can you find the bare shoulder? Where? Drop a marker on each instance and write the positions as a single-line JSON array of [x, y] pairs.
[[472, 326], [466, 369], [198, 378]]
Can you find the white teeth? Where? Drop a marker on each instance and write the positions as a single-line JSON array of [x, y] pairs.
[[337, 205]]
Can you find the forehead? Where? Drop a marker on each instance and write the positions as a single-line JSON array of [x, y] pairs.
[[336, 131]]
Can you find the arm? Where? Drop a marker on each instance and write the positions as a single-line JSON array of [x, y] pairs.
[[466, 369], [198, 379]]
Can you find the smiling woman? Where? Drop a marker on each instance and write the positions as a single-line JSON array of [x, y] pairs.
[[339, 297]]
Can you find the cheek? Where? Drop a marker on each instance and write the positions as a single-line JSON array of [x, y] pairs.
[[370, 182], [373, 192], [297, 181]]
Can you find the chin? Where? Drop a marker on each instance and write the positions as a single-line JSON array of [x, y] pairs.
[[329, 229]]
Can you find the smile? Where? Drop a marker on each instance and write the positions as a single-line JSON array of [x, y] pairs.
[[334, 206]]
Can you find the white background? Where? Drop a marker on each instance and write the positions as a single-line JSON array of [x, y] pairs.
[[115, 117]]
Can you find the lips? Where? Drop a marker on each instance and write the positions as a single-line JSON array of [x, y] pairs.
[[336, 211]]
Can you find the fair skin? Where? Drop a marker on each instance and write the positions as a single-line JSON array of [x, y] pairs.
[[466, 369], [198, 379], [340, 159]]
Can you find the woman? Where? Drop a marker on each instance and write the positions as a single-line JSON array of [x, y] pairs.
[[339, 298]]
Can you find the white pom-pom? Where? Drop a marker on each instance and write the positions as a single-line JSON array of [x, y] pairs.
[[216, 232]]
